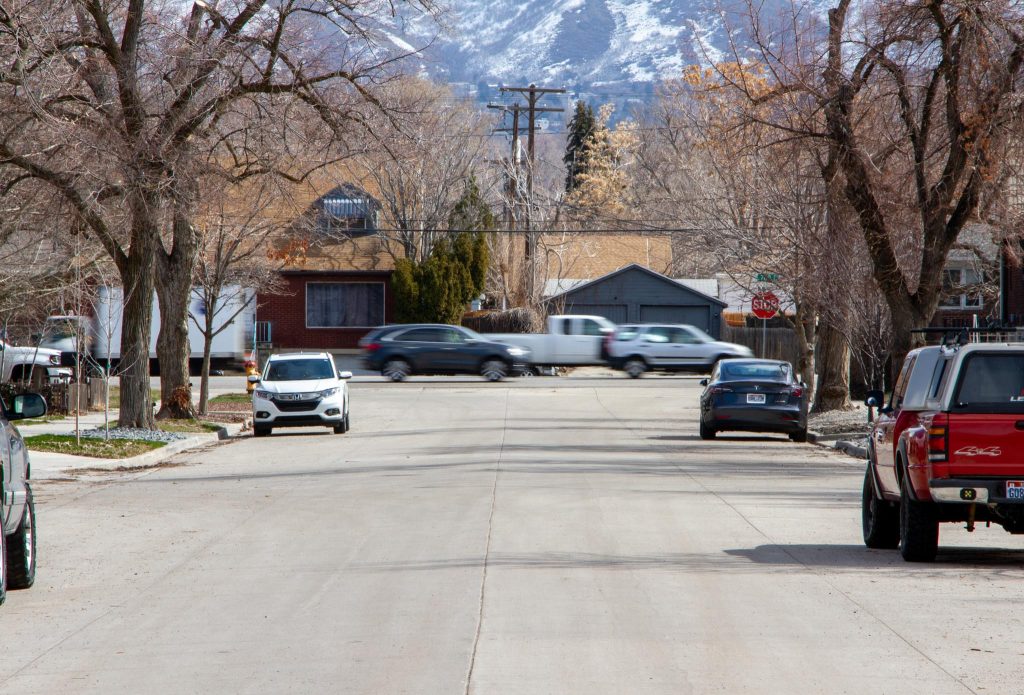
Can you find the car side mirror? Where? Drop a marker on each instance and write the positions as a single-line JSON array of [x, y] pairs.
[[25, 406], [345, 375], [253, 379], [704, 382]]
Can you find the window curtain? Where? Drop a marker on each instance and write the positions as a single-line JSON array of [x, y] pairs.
[[343, 304]]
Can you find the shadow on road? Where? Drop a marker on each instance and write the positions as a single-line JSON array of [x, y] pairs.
[[861, 557]]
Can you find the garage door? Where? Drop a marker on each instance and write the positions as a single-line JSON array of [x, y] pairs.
[[698, 316], [616, 313]]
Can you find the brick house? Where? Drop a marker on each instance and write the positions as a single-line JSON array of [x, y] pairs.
[[336, 277]]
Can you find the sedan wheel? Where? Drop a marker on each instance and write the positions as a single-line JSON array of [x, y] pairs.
[[397, 370], [494, 370], [635, 368], [706, 432]]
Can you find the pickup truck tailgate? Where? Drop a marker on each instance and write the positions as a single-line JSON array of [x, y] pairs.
[[986, 445]]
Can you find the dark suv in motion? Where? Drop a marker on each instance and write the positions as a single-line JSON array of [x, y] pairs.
[[401, 350]]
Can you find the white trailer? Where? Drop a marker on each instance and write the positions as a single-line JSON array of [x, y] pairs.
[[102, 330]]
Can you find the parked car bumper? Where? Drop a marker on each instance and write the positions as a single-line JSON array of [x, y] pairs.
[[770, 418], [326, 412]]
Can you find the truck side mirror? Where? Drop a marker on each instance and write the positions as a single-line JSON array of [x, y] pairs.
[[875, 399]]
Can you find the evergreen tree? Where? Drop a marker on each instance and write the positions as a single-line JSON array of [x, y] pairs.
[[581, 131], [438, 289]]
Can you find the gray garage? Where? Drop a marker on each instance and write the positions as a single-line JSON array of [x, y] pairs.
[[635, 294]]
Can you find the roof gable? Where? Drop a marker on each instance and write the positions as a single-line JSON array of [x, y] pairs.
[[637, 268]]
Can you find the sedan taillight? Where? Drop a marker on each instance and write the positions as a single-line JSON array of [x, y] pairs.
[[372, 347], [715, 390]]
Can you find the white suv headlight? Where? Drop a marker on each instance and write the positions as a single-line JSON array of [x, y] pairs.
[[330, 392], [263, 395]]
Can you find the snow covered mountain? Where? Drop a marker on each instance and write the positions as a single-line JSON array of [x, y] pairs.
[[569, 42]]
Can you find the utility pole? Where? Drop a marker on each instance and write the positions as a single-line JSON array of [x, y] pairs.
[[533, 95], [511, 219]]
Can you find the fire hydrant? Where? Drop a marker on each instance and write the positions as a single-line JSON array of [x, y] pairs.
[[250, 370]]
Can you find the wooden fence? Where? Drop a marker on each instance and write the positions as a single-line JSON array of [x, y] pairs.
[[769, 343]]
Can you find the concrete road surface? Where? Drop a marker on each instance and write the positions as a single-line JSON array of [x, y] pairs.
[[538, 536]]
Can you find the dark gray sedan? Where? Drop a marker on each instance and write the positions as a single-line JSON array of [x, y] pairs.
[[751, 395], [441, 349]]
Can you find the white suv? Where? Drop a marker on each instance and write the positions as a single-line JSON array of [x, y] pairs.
[[636, 349], [300, 390]]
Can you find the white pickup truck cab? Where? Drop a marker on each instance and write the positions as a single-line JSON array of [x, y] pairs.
[[570, 341], [37, 365]]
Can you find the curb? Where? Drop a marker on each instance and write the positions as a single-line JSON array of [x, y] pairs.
[[149, 458], [848, 448]]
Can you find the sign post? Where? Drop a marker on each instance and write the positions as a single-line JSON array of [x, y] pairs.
[[765, 305]]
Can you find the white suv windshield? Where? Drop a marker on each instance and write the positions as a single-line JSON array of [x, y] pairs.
[[299, 370]]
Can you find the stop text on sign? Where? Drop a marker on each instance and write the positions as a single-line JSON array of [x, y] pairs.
[[765, 305]]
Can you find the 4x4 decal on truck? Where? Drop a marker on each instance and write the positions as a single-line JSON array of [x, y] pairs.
[[979, 451]]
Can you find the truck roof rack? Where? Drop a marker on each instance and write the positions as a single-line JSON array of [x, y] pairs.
[[956, 337]]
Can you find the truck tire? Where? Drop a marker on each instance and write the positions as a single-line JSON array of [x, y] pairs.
[[635, 367], [879, 519], [494, 369], [21, 549], [919, 527], [396, 370]]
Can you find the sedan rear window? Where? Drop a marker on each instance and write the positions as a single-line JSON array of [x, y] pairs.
[[299, 370], [991, 383], [776, 372]]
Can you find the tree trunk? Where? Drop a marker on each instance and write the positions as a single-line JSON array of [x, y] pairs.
[[174, 290], [204, 379], [804, 324], [834, 368], [136, 270]]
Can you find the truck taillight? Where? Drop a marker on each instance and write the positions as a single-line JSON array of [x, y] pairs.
[[938, 441]]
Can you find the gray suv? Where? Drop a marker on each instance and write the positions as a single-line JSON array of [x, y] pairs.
[[17, 512], [640, 348]]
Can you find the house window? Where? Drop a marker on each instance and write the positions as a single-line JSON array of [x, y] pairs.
[[344, 304], [961, 288]]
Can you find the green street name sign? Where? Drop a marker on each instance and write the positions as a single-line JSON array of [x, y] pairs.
[[766, 277]]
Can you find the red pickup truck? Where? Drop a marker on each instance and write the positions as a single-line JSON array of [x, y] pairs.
[[948, 447]]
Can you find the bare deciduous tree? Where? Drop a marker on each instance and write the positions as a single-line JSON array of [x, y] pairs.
[[122, 107]]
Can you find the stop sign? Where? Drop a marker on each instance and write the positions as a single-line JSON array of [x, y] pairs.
[[765, 305]]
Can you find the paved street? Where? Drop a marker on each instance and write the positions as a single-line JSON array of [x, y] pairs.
[[538, 536]]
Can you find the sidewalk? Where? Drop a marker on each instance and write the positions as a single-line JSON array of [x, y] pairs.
[[49, 466]]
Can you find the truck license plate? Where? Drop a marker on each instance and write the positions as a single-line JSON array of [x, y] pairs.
[[755, 398], [1015, 489]]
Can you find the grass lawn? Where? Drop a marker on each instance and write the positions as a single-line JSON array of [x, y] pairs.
[[97, 448], [186, 426], [232, 398]]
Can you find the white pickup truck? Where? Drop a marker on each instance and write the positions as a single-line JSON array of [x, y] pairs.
[[29, 363], [571, 341]]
